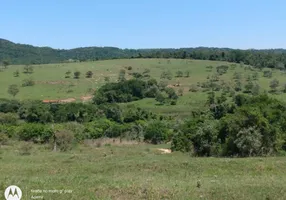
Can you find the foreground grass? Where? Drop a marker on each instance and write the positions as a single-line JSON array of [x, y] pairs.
[[140, 172]]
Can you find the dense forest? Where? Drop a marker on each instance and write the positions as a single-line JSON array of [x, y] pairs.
[[26, 54]]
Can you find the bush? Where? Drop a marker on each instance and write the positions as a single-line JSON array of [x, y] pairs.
[[248, 141], [3, 139], [180, 142], [28, 82], [156, 132], [267, 74], [76, 128], [89, 74], [204, 139], [25, 149], [9, 106], [64, 140], [193, 88], [37, 133], [76, 75], [8, 118]]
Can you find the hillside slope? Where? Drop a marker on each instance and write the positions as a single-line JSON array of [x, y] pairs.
[[27, 54]]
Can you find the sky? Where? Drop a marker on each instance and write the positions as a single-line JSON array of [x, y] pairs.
[[67, 24]]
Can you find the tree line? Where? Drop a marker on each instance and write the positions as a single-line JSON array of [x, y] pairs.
[[11, 53]]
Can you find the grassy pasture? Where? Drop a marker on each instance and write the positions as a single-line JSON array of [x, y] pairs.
[[140, 172], [52, 84]]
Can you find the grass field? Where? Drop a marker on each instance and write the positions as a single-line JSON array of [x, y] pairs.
[[52, 84], [139, 172]]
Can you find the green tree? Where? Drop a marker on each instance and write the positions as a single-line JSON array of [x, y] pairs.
[[248, 141], [166, 75], [89, 74], [28, 82], [156, 132], [16, 73], [13, 90], [161, 97], [76, 74], [67, 74], [273, 85], [179, 73], [6, 63], [28, 69]]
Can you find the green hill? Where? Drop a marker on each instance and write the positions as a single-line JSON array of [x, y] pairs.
[[27, 54]]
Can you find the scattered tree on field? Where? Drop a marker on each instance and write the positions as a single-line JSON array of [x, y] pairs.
[[13, 90], [76, 74], [28, 69], [179, 73], [89, 74], [16, 73], [68, 73]]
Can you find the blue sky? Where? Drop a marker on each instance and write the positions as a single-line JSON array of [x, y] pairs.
[[145, 24]]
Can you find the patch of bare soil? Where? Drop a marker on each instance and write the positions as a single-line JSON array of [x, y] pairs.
[[86, 98], [54, 82], [165, 151], [60, 100]]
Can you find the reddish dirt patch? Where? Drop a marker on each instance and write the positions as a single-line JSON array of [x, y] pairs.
[[53, 82], [86, 98], [69, 100]]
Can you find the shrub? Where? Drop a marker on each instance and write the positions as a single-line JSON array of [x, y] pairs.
[[173, 102], [89, 74], [8, 118], [222, 69], [248, 141], [129, 68], [180, 142], [64, 140], [28, 82], [156, 132], [193, 88], [3, 139], [274, 84], [179, 73], [180, 92], [9, 106], [25, 149], [267, 73], [76, 74], [205, 138], [68, 73], [37, 133], [13, 90], [77, 129]]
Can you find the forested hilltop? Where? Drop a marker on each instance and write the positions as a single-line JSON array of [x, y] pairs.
[[28, 54]]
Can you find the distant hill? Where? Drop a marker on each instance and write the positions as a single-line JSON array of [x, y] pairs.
[[28, 54]]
